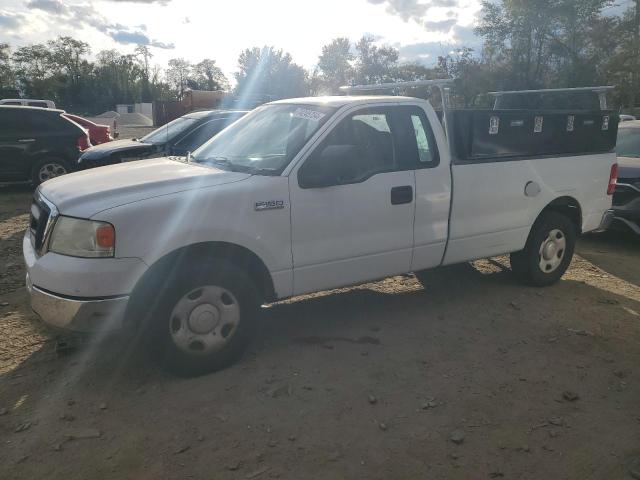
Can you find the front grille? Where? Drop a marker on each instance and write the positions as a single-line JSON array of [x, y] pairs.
[[625, 194]]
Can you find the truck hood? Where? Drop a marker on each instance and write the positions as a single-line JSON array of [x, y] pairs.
[[83, 194], [117, 146], [628, 167]]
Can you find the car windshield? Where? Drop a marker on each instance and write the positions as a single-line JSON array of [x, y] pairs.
[[266, 140], [628, 144], [169, 131]]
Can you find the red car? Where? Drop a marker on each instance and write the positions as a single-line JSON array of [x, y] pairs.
[[97, 133]]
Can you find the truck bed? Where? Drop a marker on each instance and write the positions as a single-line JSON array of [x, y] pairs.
[[493, 135]]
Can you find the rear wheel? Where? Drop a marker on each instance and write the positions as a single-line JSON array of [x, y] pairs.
[[548, 251], [48, 168], [205, 319]]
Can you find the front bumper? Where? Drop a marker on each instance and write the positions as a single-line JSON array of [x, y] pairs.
[[76, 314]]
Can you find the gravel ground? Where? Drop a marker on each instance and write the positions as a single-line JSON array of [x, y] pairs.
[[133, 132], [474, 377]]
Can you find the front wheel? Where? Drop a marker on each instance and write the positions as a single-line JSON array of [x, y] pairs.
[[47, 169], [548, 251], [205, 319]]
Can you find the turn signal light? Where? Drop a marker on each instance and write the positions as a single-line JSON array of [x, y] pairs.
[[105, 236]]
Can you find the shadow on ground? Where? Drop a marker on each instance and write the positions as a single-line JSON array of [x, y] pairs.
[[613, 252]]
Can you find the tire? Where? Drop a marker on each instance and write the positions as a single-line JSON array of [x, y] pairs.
[[47, 168], [548, 251], [205, 317]]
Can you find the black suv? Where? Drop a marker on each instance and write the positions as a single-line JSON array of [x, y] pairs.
[[179, 137], [37, 144]]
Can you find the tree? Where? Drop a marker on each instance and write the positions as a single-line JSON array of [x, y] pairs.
[[267, 73], [540, 43], [210, 77], [7, 75], [32, 65], [178, 74], [118, 79], [335, 65], [143, 52], [71, 71], [374, 64], [472, 78]]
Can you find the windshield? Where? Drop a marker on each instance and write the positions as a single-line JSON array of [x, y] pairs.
[[169, 131], [266, 140], [628, 144]]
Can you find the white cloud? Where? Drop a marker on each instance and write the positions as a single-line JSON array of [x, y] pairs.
[[222, 29]]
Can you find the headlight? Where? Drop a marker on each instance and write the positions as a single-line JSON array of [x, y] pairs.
[[83, 238]]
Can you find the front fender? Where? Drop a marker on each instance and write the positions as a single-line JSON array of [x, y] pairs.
[[152, 228]]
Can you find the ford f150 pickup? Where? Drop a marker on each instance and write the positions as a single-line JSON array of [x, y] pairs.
[[308, 194]]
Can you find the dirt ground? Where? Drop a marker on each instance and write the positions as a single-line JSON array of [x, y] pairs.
[[474, 377]]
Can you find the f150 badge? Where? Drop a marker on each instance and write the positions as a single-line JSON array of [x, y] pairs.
[[269, 205]]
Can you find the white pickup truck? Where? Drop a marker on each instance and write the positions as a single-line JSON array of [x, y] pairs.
[[308, 194]]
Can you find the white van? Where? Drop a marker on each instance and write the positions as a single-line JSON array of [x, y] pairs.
[[28, 102]]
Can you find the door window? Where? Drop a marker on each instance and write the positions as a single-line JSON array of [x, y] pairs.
[[12, 122], [424, 151], [39, 122], [360, 146], [38, 104], [416, 139], [197, 137]]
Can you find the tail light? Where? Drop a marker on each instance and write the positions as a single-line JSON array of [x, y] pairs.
[[83, 142], [613, 179]]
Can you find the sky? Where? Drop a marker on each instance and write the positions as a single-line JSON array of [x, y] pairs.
[[220, 29]]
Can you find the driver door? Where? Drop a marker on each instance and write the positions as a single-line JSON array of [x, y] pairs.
[[352, 206]]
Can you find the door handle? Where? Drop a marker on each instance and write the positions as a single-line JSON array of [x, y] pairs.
[[27, 140], [401, 195]]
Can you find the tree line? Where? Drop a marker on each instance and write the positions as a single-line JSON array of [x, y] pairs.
[[526, 45]]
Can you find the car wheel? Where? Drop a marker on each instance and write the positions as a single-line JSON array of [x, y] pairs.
[[48, 168], [205, 318], [548, 251]]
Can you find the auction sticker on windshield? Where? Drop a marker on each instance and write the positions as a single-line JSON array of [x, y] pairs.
[[307, 114]]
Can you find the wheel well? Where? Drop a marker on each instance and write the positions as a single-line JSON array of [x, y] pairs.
[[152, 281], [53, 156], [569, 207]]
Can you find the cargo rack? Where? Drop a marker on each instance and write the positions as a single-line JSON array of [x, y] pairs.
[[504, 134]]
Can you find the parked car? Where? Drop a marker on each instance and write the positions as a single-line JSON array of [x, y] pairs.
[[98, 134], [626, 118], [28, 102], [303, 195], [182, 135], [626, 199], [37, 144]]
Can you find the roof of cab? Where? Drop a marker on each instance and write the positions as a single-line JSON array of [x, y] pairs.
[[340, 101], [24, 107]]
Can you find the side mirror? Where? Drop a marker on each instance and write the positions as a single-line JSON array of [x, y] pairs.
[[332, 166]]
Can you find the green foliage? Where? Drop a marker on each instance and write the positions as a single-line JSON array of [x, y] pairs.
[[60, 70], [209, 76], [527, 44], [269, 73]]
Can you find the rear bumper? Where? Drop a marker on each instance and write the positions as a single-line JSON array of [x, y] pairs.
[[607, 220], [78, 315]]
